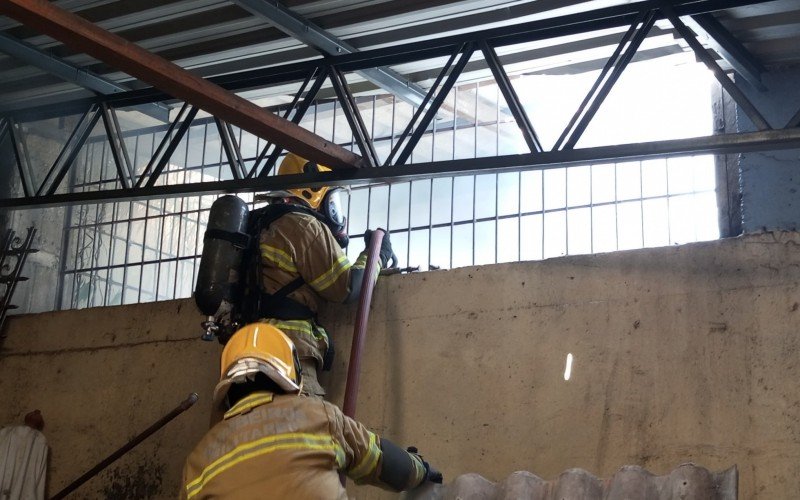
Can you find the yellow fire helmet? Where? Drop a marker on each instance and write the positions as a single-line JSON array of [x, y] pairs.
[[293, 164], [258, 348]]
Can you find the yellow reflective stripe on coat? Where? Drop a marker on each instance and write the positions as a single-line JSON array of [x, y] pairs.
[[331, 275], [250, 402], [297, 325], [368, 462], [277, 256], [289, 441]]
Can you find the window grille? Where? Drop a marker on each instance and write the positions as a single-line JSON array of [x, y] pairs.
[[141, 251]]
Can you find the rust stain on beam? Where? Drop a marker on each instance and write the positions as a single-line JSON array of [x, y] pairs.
[[79, 34]]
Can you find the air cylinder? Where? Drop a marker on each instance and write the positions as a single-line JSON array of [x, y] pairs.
[[224, 244]]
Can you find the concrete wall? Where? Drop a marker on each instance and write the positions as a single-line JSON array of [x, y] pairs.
[[769, 181], [681, 354]]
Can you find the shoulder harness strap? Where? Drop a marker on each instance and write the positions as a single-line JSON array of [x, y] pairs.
[[278, 305]]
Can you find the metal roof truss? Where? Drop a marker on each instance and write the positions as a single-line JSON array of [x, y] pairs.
[[639, 17]]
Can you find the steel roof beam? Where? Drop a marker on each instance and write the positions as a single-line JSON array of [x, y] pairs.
[[312, 35], [29, 54], [84, 36], [768, 140]]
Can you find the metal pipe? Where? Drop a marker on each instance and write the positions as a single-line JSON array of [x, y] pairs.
[[359, 333], [182, 407]]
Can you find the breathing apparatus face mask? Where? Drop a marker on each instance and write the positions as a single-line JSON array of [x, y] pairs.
[[331, 210]]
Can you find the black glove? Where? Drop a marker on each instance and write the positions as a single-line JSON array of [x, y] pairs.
[[386, 253], [431, 474]]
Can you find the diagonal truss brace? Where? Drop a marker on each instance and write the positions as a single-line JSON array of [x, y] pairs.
[[20, 147], [233, 153], [66, 158], [727, 46], [730, 87], [302, 108], [169, 144], [421, 109], [117, 145], [353, 116], [794, 121], [466, 52], [511, 97], [619, 60], [291, 108]]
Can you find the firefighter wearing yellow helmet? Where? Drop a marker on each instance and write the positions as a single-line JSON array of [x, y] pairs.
[[301, 263], [293, 164], [275, 443]]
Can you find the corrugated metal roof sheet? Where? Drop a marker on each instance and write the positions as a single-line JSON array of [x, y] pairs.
[[630, 482]]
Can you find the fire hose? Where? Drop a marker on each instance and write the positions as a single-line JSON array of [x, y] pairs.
[[360, 329]]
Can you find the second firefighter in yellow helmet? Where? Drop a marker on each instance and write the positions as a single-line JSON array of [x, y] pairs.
[[258, 348]]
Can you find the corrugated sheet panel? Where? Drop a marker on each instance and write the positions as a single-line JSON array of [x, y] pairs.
[[630, 482]]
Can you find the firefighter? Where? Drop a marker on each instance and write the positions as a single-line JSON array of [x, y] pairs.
[[277, 443], [301, 262]]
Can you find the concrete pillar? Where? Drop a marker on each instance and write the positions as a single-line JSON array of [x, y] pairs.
[[770, 181], [41, 292]]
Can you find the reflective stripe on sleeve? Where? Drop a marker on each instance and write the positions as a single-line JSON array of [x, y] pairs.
[[297, 325], [278, 257], [263, 446], [330, 276], [368, 462]]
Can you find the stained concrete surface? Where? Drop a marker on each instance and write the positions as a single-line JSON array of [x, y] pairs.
[[680, 354]]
